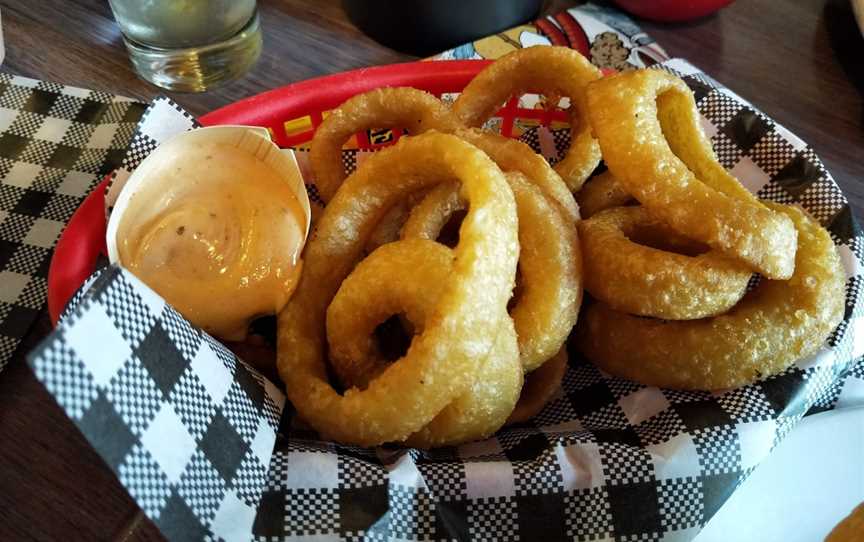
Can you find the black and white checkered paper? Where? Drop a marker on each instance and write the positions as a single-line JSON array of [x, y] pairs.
[[191, 432], [162, 119], [187, 428], [56, 142]]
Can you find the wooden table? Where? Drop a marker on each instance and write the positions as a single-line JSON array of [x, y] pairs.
[[799, 61]]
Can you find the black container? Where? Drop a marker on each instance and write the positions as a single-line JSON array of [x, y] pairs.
[[426, 27]]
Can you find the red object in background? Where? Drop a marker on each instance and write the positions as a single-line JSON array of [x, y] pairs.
[[671, 10]]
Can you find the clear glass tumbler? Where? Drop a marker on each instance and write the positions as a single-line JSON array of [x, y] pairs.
[[189, 45]]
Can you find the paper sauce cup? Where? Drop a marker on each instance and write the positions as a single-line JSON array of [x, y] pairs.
[[157, 167], [253, 139]]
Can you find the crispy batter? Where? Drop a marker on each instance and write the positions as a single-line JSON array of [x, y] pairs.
[[652, 141], [442, 361], [601, 192], [428, 218], [410, 277], [631, 277], [513, 155], [388, 228], [550, 264], [559, 71], [774, 325], [400, 107]]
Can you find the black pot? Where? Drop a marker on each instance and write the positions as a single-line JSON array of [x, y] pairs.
[[426, 27]]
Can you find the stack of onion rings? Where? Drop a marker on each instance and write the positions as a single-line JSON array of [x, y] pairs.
[[705, 332], [668, 276], [775, 324], [442, 361]]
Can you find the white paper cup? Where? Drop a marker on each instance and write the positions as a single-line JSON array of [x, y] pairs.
[[256, 141]]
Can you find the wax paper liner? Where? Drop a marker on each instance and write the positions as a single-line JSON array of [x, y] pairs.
[[188, 429]]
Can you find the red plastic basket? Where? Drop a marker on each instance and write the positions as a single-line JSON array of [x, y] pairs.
[[291, 113]]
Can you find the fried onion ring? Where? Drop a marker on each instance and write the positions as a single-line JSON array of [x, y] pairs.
[[379, 287], [428, 218], [401, 107], [410, 276], [774, 325], [388, 228], [631, 277], [649, 129], [550, 264], [442, 362], [557, 71], [601, 192], [540, 386], [513, 155]]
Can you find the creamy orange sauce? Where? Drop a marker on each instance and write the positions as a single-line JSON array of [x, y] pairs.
[[218, 234]]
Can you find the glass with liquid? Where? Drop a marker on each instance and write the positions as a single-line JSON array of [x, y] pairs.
[[189, 45]]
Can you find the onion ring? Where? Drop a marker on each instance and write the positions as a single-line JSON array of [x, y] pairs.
[[642, 280], [410, 276], [427, 218], [388, 228], [441, 363], [649, 129], [377, 289], [774, 325], [513, 155], [558, 71], [550, 264], [400, 107], [601, 192], [540, 386]]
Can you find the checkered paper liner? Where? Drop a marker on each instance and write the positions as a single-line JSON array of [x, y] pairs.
[[187, 427], [607, 459], [56, 142]]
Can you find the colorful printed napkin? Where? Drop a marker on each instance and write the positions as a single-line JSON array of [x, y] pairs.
[[608, 459]]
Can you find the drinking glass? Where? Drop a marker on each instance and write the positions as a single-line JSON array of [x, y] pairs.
[[189, 45]]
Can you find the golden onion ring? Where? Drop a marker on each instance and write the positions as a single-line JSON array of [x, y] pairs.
[[409, 277], [388, 228], [513, 155], [441, 363], [601, 192], [774, 325], [649, 129], [550, 264], [400, 107], [552, 70], [631, 277]]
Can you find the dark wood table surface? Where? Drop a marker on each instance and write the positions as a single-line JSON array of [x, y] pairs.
[[801, 61]]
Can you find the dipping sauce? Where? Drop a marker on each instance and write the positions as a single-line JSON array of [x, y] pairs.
[[218, 233]]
